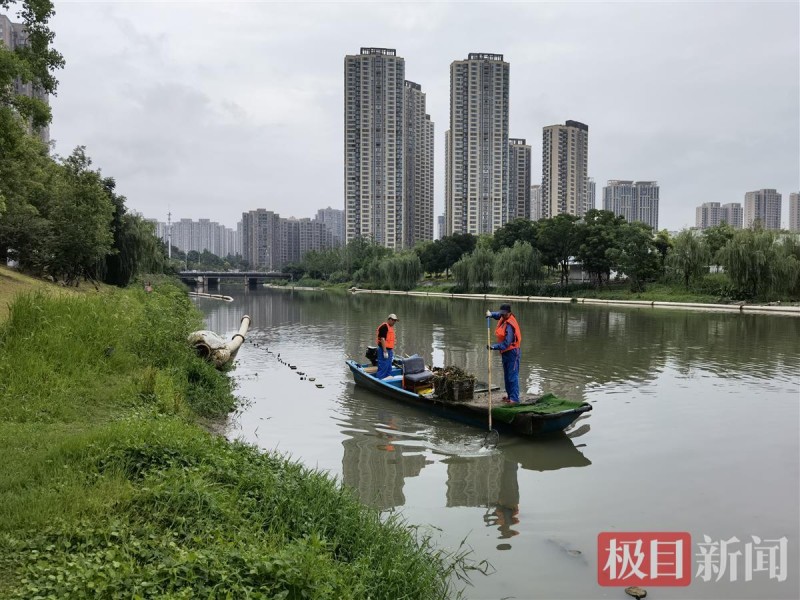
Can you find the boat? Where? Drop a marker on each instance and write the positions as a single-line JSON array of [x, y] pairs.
[[534, 416]]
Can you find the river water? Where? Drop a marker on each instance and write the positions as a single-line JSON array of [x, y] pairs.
[[695, 428]]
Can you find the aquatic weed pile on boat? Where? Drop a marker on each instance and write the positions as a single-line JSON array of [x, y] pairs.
[[453, 383]]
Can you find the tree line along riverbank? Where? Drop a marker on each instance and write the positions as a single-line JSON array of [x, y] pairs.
[[111, 487]]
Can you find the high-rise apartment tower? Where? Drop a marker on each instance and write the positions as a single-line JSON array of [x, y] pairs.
[[536, 203], [388, 149], [764, 207], [418, 168], [634, 200], [477, 148], [374, 92], [565, 163], [519, 179], [794, 211]]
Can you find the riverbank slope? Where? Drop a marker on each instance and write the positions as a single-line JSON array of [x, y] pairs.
[[110, 488]]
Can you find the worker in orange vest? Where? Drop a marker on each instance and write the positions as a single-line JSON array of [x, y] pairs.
[[385, 339], [509, 338]]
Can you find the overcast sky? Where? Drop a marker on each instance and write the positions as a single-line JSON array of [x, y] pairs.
[[212, 109]]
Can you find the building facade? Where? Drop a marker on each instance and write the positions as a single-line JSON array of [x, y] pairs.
[[333, 218], [565, 164], [711, 214], [637, 201], [794, 211], [374, 86], [188, 235], [536, 202], [707, 215], [763, 207], [619, 198], [732, 214], [591, 190], [519, 179], [261, 239], [270, 242], [477, 147], [418, 168], [647, 203]]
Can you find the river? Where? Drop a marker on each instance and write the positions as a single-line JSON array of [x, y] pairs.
[[695, 428]]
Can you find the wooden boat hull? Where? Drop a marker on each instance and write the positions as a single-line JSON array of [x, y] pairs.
[[525, 424]]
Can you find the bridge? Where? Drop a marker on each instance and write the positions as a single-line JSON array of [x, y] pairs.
[[211, 279]]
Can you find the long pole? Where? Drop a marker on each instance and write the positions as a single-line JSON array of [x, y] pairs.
[[489, 350]]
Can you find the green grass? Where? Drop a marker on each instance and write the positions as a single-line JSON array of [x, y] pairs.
[[109, 488], [656, 292]]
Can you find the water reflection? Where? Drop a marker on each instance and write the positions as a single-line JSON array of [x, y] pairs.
[[388, 442], [491, 481]]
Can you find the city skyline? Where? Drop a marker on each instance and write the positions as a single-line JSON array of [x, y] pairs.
[[703, 133]]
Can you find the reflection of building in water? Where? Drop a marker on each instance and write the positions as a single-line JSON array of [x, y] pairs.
[[376, 469], [482, 482], [489, 481]]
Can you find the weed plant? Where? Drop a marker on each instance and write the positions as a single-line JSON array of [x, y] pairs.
[[109, 489]]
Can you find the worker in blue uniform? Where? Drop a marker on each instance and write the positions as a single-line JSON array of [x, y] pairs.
[[509, 339]]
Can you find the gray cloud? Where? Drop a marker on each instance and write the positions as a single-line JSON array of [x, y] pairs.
[[214, 109]]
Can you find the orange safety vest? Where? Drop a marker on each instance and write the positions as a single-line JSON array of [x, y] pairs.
[[389, 336], [500, 332]]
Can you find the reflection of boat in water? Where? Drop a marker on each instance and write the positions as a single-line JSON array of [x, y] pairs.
[[471, 482], [527, 419], [491, 481]]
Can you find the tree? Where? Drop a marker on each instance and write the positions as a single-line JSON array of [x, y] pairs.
[[517, 267], [32, 63], [461, 274], [359, 254], [135, 249], [689, 256], [636, 254], [481, 263], [401, 271], [716, 238], [26, 177], [759, 267], [518, 230], [663, 244], [455, 246], [80, 220], [597, 234], [558, 242]]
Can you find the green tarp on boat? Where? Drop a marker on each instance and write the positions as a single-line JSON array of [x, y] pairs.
[[546, 405]]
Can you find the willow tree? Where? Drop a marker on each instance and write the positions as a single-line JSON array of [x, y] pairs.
[[401, 271], [517, 267], [689, 256], [759, 266], [461, 273], [481, 263]]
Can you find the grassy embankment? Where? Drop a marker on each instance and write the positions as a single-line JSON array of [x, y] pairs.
[[655, 292], [109, 487]]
